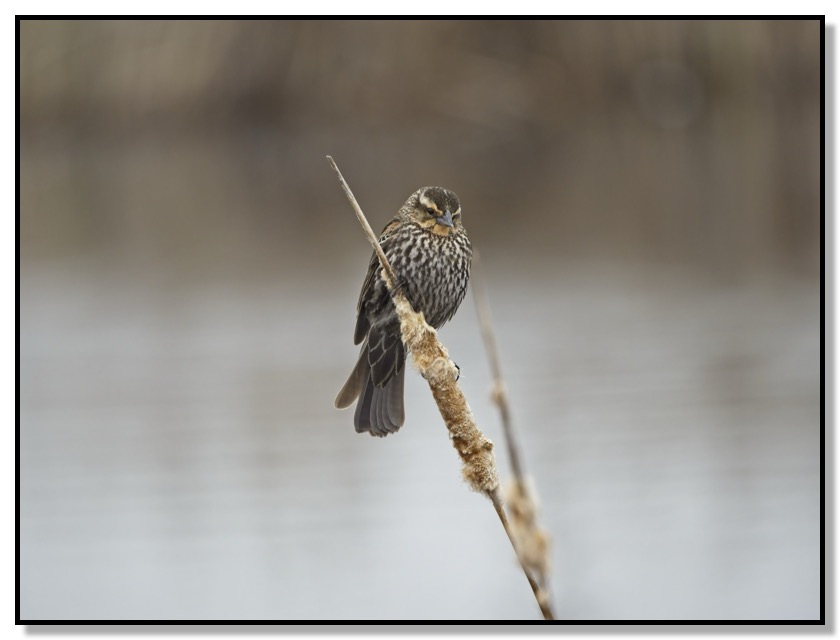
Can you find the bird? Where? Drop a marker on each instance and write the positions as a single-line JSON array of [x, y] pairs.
[[431, 255]]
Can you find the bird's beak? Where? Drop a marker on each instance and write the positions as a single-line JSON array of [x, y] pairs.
[[445, 219]]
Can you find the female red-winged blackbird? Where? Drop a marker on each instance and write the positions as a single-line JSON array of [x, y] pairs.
[[428, 248]]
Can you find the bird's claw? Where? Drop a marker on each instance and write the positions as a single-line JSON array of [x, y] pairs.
[[399, 286], [458, 376]]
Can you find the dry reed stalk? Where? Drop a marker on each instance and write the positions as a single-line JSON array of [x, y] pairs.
[[432, 360], [531, 541]]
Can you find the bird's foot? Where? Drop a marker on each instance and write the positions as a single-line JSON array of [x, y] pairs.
[[399, 286]]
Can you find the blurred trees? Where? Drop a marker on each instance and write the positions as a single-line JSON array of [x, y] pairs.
[[686, 141]]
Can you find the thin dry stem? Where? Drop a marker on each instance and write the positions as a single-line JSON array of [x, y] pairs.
[[432, 360], [539, 593], [390, 278], [499, 392], [530, 541]]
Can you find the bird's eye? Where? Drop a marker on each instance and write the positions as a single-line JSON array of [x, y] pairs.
[[430, 211]]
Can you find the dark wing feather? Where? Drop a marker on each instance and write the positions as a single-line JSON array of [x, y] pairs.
[[379, 376], [362, 322], [385, 353]]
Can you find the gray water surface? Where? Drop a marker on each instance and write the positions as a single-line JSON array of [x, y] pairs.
[[180, 456]]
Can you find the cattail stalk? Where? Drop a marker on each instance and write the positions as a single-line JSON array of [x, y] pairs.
[[431, 358], [531, 541]]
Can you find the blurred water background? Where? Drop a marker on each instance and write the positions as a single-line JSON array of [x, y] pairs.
[[646, 197]]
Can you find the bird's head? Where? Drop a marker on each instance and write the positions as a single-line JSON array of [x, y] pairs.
[[436, 209]]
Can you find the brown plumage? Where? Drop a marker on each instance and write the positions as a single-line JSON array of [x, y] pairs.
[[429, 250]]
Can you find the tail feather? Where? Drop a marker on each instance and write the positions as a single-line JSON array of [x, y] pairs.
[[355, 383], [379, 410], [362, 417], [394, 400], [380, 421]]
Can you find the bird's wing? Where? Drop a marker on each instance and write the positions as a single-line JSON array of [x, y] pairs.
[[362, 322]]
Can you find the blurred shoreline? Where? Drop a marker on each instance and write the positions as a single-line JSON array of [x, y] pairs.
[[682, 142], [193, 202]]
